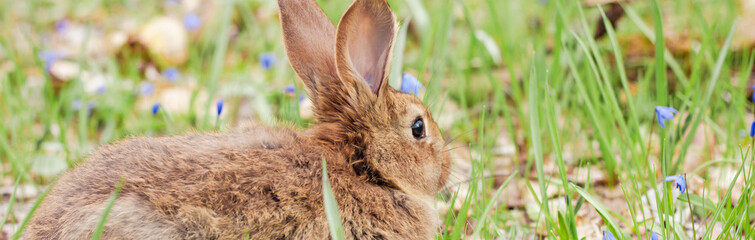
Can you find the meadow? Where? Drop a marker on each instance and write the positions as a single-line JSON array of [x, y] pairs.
[[560, 121]]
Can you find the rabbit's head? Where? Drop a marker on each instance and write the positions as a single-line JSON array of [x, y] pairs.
[[387, 136]]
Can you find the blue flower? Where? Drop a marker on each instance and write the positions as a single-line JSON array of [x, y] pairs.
[[679, 182], [48, 57], [155, 108], [147, 88], [608, 236], [171, 74], [101, 89], [267, 60], [653, 236], [61, 25], [290, 89], [192, 21], [410, 84], [753, 92], [752, 129], [76, 105], [302, 98], [219, 106], [663, 114]]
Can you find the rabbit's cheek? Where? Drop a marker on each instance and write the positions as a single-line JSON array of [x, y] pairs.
[[445, 169]]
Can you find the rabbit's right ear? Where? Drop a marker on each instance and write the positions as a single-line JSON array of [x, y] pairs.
[[309, 38]]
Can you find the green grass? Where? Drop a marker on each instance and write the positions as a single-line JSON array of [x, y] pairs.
[[331, 206], [527, 72], [100, 228]]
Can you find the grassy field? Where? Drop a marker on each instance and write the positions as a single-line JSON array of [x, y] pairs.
[[556, 134]]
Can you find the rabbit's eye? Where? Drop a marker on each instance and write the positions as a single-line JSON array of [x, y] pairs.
[[418, 128]]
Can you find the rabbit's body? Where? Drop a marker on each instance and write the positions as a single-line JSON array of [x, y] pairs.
[[267, 183], [386, 156]]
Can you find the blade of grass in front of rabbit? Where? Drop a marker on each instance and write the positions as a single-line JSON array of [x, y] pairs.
[[331, 207], [34, 207], [97, 234]]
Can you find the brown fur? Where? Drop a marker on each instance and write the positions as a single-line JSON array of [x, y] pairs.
[[267, 182]]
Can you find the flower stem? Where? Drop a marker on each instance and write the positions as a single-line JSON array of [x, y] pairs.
[[691, 213], [650, 139]]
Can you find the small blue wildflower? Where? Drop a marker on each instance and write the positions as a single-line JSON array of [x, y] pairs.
[[219, 106], [76, 104], [61, 25], [653, 236], [752, 129], [192, 21], [48, 57], [302, 98], [290, 89], [171, 74], [101, 89], [410, 84], [679, 182], [753, 92], [155, 108], [608, 236], [147, 88], [664, 113], [267, 60]]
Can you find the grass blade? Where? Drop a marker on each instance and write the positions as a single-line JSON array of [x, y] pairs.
[[492, 201], [331, 207], [11, 200], [602, 210], [33, 209], [419, 13], [101, 225], [660, 62], [397, 63]]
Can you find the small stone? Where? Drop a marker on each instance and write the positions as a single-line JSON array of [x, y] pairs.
[[167, 39], [64, 70]]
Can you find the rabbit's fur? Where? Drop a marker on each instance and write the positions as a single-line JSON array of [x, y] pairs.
[[267, 183]]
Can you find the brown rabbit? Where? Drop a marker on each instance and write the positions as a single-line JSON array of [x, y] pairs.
[[386, 157]]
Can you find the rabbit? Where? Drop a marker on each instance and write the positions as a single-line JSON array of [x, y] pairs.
[[386, 158]]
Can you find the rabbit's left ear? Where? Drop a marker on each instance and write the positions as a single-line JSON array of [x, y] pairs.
[[364, 42]]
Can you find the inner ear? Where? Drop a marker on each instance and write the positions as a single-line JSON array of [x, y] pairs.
[[364, 42]]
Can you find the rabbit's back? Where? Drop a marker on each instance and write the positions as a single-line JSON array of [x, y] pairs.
[[261, 181]]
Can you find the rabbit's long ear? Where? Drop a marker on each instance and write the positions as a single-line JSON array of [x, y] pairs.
[[364, 43], [308, 35]]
